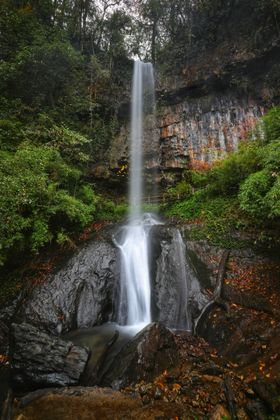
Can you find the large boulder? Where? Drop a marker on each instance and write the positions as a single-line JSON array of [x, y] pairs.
[[42, 360], [79, 295], [177, 295], [148, 354]]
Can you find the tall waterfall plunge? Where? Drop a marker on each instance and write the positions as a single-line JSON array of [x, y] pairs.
[[133, 239], [135, 291]]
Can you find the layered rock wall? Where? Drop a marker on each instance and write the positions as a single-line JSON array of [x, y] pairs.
[[204, 129]]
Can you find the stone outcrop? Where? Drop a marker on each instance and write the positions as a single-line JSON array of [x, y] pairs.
[[148, 354], [177, 294], [42, 360], [79, 295], [204, 129]]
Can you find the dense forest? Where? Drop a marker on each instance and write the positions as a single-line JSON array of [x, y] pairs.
[[65, 68]]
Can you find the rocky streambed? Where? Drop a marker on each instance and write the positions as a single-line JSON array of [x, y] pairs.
[[70, 360]]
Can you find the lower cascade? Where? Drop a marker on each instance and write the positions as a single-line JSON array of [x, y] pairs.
[[135, 288]]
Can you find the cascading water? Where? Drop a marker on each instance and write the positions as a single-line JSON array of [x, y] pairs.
[[133, 239], [135, 291]]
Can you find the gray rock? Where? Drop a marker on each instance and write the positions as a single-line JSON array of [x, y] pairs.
[[42, 360], [177, 293], [147, 355], [79, 295]]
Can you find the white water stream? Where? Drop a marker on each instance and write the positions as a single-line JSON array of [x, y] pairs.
[[135, 293], [133, 239]]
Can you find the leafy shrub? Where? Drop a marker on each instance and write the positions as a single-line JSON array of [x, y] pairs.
[[108, 210], [187, 209], [182, 190], [198, 179], [253, 191], [270, 156], [10, 134], [273, 198], [226, 176], [271, 124], [40, 196]]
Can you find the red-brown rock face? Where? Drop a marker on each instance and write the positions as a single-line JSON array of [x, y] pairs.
[[204, 129]]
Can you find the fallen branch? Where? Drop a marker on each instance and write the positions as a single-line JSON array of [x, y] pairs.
[[217, 299]]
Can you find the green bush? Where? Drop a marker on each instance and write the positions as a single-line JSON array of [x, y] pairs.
[[273, 199], [271, 125], [10, 134], [108, 210], [187, 209], [253, 191], [270, 156], [225, 177], [41, 195], [182, 190], [198, 179]]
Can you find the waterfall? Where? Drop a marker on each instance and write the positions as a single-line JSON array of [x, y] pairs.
[[133, 240], [142, 107], [135, 290]]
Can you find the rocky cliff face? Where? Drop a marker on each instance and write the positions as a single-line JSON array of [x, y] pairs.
[[216, 93], [204, 129]]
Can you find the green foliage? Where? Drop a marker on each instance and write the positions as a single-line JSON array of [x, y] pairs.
[[108, 210], [271, 125], [10, 134], [273, 199], [270, 156], [41, 195], [183, 189], [226, 176], [187, 209], [252, 196], [72, 146], [198, 179]]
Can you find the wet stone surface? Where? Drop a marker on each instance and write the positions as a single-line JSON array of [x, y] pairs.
[[42, 360]]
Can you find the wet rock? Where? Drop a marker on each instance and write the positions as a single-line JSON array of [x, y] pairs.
[[4, 332], [79, 295], [6, 318], [148, 354], [177, 294], [205, 258], [42, 360]]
